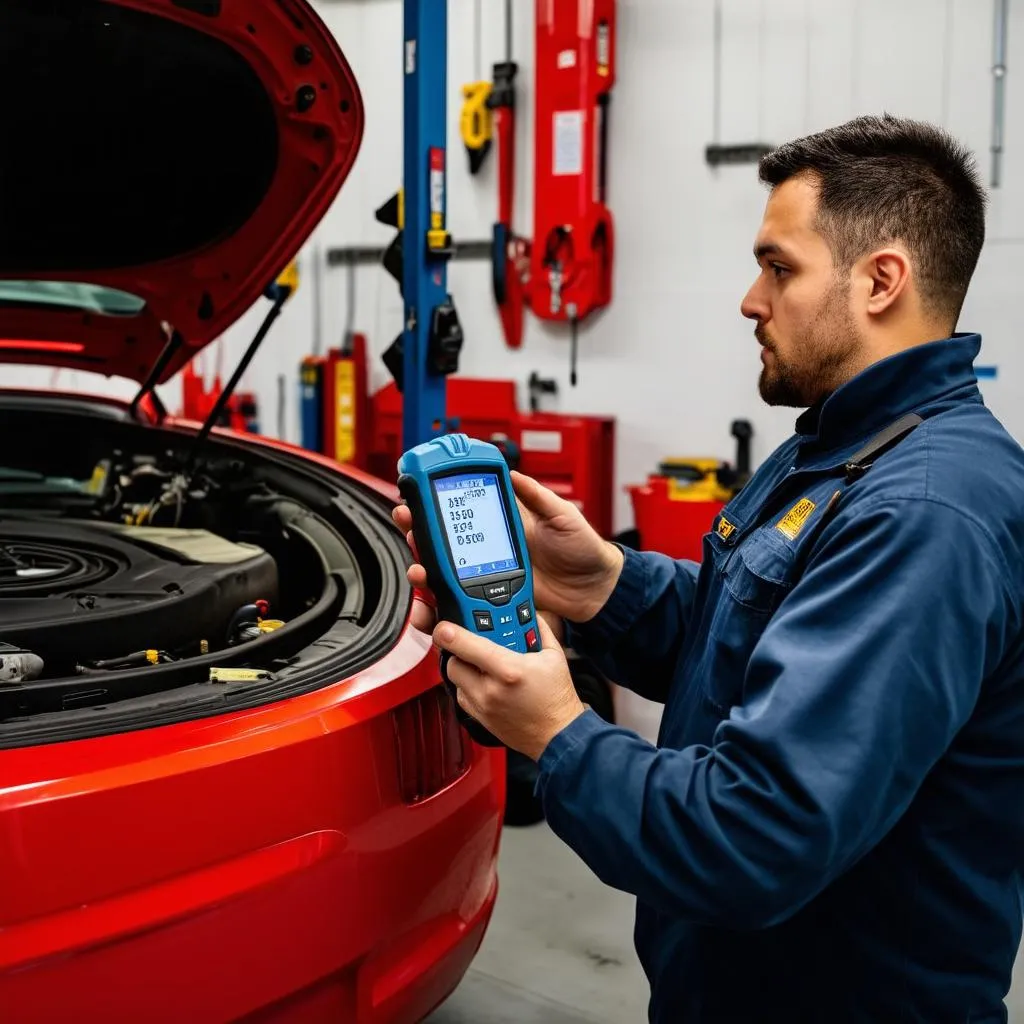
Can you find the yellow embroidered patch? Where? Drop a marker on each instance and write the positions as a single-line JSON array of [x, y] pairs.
[[793, 521], [725, 529]]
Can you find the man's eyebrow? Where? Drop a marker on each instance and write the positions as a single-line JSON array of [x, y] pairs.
[[766, 249]]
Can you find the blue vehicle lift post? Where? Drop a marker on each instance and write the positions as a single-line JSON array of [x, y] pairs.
[[425, 243]]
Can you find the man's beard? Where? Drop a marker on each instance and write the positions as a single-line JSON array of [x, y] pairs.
[[822, 355]]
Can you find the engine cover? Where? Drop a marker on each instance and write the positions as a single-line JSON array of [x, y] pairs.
[[79, 592]]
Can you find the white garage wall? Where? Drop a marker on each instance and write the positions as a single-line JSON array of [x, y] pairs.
[[672, 358]]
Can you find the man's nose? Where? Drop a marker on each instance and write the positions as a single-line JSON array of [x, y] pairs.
[[754, 305]]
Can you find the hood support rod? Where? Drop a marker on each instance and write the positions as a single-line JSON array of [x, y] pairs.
[[167, 353], [280, 294]]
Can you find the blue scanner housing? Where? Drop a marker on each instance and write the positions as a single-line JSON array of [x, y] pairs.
[[470, 538]]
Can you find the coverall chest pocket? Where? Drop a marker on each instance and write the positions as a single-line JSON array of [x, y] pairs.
[[751, 582]]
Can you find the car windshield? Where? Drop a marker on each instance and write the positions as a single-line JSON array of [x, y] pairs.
[[73, 295], [18, 481]]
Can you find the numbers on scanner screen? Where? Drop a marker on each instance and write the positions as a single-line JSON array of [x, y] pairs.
[[459, 501], [462, 519]]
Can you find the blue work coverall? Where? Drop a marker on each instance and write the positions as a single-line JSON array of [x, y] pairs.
[[831, 827]]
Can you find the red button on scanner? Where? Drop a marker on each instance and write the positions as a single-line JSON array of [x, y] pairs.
[[531, 640]]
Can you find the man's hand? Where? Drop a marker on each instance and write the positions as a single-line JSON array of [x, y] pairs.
[[524, 700], [574, 569]]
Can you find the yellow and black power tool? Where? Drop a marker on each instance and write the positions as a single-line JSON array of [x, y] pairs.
[[476, 123]]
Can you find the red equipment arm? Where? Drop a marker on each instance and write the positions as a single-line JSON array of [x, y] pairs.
[[571, 261]]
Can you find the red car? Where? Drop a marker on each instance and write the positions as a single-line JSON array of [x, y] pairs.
[[230, 784]]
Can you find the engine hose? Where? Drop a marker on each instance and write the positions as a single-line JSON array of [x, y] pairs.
[[248, 615]]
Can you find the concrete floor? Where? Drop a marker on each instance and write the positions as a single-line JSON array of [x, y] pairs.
[[559, 949]]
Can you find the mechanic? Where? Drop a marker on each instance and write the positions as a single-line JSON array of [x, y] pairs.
[[831, 827]]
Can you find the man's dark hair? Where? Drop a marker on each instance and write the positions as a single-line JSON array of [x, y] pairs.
[[883, 179]]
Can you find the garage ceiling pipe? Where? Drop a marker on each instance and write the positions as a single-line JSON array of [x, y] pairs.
[[1002, 14]]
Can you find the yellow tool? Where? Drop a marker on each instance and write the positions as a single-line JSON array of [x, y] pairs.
[[694, 480], [476, 123]]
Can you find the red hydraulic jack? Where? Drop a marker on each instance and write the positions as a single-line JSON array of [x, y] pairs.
[[565, 273]]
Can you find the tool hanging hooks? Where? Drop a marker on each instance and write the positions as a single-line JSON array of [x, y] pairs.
[[475, 121]]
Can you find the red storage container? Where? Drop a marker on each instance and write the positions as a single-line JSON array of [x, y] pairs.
[[572, 455], [672, 514], [575, 457]]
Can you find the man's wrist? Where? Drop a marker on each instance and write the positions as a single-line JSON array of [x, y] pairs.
[[555, 728], [626, 602], [606, 583]]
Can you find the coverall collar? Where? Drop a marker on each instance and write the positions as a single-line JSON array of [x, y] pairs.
[[891, 387]]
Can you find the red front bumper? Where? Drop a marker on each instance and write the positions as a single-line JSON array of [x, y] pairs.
[[260, 865]]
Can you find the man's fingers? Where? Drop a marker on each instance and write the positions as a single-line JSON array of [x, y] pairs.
[[411, 541], [464, 675], [535, 497], [417, 576], [403, 520], [485, 655], [554, 625], [548, 639], [423, 617], [469, 702]]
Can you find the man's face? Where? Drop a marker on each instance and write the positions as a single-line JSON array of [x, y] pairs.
[[809, 337]]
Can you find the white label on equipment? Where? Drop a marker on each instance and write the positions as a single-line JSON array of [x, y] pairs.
[[410, 56], [437, 191], [604, 49], [566, 59], [541, 441], [568, 142]]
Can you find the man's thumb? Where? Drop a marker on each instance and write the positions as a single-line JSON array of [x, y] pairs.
[[548, 638], [537, 498]]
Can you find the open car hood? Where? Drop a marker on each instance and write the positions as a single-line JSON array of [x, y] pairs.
[[162, 162]]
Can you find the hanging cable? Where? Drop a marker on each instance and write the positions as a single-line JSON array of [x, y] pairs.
[[347, 338], [478, 42], [1002, 13]]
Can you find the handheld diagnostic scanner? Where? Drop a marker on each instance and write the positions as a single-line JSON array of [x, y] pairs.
[[470, 539]]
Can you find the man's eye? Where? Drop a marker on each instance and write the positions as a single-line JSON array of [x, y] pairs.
[[778, 270]]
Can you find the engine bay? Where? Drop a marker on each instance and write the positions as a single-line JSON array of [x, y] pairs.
[[73, 594], [129, 568]]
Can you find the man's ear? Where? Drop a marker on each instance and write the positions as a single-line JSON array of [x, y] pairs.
[[886, 276]]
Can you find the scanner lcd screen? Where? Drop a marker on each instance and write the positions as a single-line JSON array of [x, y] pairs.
[[476, 525]]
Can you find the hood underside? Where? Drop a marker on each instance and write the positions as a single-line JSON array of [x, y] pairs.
[[163, 160]]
